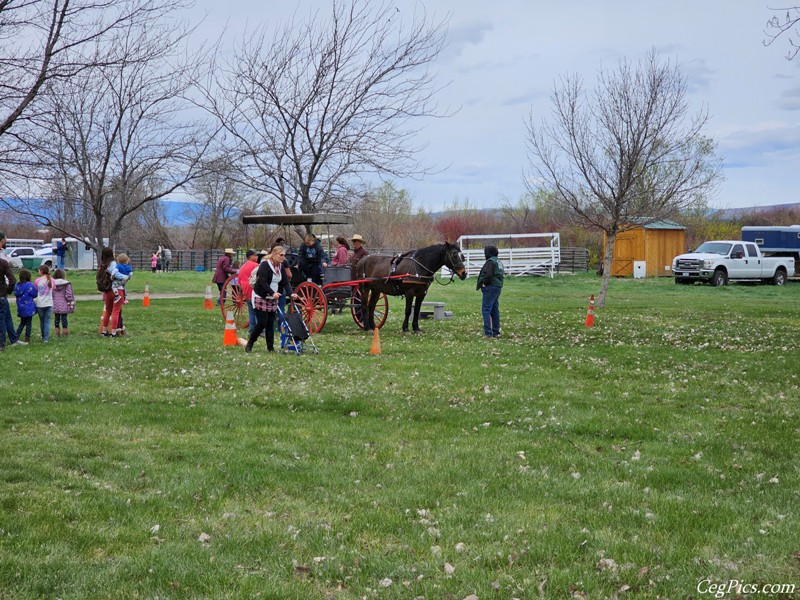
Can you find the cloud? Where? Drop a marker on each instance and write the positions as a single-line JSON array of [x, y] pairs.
[[463, 36], [790, 99], [764, 144], [698, 74], [526, 99]]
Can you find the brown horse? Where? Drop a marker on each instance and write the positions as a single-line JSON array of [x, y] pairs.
[[419, 266]]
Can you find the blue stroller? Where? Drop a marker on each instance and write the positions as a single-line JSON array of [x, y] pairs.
[[294, 333]]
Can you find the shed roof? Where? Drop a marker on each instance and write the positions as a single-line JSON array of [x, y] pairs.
[[662, 224]]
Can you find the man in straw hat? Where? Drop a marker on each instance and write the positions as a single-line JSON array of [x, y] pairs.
[[359, 251], [224, 269]]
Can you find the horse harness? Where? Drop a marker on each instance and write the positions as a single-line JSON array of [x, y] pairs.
[[416, 278]]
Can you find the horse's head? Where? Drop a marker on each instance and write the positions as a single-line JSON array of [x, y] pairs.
[[454, 260]]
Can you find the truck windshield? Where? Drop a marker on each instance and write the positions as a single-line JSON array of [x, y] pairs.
[[714, 248]]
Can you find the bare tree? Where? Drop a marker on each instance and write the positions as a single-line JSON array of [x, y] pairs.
[[309, 109], [624, 156], [384, 216], [147, 227], [115, 137], [220, 200], [45, 40], [784, 23], [532, 213]]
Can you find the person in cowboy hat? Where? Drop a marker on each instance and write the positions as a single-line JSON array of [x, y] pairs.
[[359, 251], [224, 269]]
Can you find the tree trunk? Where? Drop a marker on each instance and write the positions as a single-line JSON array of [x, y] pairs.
[[607, 260]]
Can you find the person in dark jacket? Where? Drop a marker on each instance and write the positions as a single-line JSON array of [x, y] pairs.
[[224, 270], [490, 283], [312, 259], [271, 283], [61, 253], [7, 283]]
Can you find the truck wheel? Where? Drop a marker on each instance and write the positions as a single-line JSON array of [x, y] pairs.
[[779, 278], [720, 277]]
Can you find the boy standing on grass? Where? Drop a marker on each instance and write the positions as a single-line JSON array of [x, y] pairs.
[[490, 283]]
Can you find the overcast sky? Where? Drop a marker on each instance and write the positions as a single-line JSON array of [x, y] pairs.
[[505, 55]]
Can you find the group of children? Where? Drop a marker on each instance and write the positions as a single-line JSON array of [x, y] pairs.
[[52, 295], [45, 296]]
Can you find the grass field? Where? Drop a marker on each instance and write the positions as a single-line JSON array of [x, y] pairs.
[[650, 455]]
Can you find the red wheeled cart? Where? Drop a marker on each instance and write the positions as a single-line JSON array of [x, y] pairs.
[[339, 292]]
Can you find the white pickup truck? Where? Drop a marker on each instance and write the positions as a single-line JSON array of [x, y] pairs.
[[718, 262]]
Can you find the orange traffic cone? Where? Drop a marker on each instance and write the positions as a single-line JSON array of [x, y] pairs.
[[590, 313], [230, 338], [375, 349], [146, 300], [208, 303]]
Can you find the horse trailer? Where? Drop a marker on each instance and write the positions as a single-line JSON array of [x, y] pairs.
[[774, 240]]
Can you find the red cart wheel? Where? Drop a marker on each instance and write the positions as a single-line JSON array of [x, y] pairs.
[[381, 309], [232, 299], [313, 305]]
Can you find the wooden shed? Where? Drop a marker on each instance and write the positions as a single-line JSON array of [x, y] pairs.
[[655, 244]]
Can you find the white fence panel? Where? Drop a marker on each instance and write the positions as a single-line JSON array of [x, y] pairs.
[[521, 253]]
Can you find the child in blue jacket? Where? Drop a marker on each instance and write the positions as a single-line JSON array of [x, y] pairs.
[[25, 292]]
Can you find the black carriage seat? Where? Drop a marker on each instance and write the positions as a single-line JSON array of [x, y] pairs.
[[337, 274], [337, 293]]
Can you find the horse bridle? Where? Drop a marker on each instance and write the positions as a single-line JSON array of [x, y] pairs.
[[452, 271]]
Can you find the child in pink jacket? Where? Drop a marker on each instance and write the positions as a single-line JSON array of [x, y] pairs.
[[63, 301]]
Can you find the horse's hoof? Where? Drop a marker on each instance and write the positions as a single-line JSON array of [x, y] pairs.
[[418, 332], [406, 332]]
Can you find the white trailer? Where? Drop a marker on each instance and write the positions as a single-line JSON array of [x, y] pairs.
[[80, 255]]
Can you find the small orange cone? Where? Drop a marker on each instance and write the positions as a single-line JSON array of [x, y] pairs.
[[146, 301], [230, 338], [208, 303], [375, 349], [590, 313]]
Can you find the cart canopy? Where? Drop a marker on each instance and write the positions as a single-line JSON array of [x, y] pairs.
[[302, 219]]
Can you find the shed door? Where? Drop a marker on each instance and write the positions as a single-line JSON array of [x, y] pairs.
[[624, 254]]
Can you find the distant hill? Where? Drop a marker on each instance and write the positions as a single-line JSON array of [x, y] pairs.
[[175, 211], [735, 213]]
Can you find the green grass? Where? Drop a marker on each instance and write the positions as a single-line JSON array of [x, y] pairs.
[[664, 439], [178, 282]]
